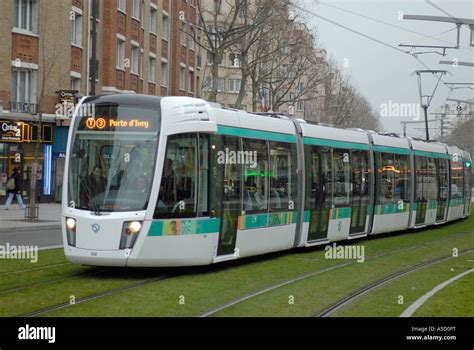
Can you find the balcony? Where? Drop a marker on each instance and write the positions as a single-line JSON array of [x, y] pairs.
[[23, 107]]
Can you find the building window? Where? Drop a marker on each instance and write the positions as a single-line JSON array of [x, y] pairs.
[[192, 44], [152, 70], [75, 84], [182, 78], [23, 89], [120, 53], [76, 36], [134, 60], [234, 85], [191, 81], [220, 85], [153, 19], [136, 9], [300, 105], [217, 7], [183, 33], [142, 64], [165, 30], [235, 60], [210, 60], [121, 5], [25, 14], [164, 74]]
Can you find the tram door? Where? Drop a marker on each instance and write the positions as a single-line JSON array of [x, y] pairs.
[[360, 191], [320, 200], [421, 199], [230, 200], [443, 189]]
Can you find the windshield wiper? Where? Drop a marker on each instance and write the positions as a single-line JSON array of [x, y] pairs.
[[88, 193]]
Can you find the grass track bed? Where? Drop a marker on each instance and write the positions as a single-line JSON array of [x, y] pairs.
[[450, 301], [205, 288]]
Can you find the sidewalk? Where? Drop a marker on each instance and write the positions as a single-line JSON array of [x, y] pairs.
[[14, 219]]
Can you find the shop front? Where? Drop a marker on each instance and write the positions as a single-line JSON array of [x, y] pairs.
[[22, 144]]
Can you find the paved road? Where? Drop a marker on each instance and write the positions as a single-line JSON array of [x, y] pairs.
[[41, 237]]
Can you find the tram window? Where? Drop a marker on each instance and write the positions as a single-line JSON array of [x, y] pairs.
[[178, 188], [457, 181], [467, 181], [325, 154], [442, 169], [342, 177], [431, 186], [421, 170], [319, 178], [282, 176], [204, 166], [256, 176], [392, 178]]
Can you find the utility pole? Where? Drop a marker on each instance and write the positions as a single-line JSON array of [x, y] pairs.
[[425, 100]]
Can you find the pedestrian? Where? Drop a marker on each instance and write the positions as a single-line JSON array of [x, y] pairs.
[[14, 188]]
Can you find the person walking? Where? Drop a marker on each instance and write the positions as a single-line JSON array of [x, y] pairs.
[[14, 188]]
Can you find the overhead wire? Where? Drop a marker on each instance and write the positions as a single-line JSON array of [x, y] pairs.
[[434, 36]]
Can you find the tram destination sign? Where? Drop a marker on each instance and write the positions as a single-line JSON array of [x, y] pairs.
[[10, 131]]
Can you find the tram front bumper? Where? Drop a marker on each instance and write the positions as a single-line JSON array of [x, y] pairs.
[[96, 257]]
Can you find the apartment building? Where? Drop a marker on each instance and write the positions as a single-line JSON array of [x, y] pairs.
[[47, 57]]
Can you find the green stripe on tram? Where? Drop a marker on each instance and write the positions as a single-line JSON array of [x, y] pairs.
[[179, 227], [430, 154], [341, 213], [432, 204], [388, 149], [247, 222], [335, 144], [255, 134], [393, 208], [455, 202]]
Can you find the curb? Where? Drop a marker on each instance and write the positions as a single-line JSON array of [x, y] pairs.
[[33, 227]]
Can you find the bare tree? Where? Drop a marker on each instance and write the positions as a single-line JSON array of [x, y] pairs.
[[224, 23], [50, 62]]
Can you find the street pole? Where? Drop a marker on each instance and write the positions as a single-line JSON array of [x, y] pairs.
[[93, 72], [425, 108]]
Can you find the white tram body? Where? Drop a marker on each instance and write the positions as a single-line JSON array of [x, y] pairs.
[[176, 181]]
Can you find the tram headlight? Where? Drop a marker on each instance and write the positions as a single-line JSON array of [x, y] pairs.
[[71, 231], [130, 232]]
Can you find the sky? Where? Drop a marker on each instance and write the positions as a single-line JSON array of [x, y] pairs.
[[382, 74]]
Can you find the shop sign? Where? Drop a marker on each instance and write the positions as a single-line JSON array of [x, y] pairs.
[[10, 131], [59, 155]]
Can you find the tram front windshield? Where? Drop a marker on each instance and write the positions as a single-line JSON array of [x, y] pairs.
[[112, 158]]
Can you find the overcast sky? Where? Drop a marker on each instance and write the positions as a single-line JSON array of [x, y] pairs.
[[381, 73]]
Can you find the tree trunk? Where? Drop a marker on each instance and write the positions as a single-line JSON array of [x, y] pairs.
[[243, 84], [216, 58]]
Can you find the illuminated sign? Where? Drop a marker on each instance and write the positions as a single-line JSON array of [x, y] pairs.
[[10, 131], [103, 123]]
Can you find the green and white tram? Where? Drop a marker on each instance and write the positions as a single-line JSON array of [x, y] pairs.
[[176, 181]]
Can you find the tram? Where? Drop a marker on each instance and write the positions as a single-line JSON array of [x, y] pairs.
[[177, 181]]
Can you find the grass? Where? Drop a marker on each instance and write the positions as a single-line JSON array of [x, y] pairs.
[[207, 287], [455, 300]]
